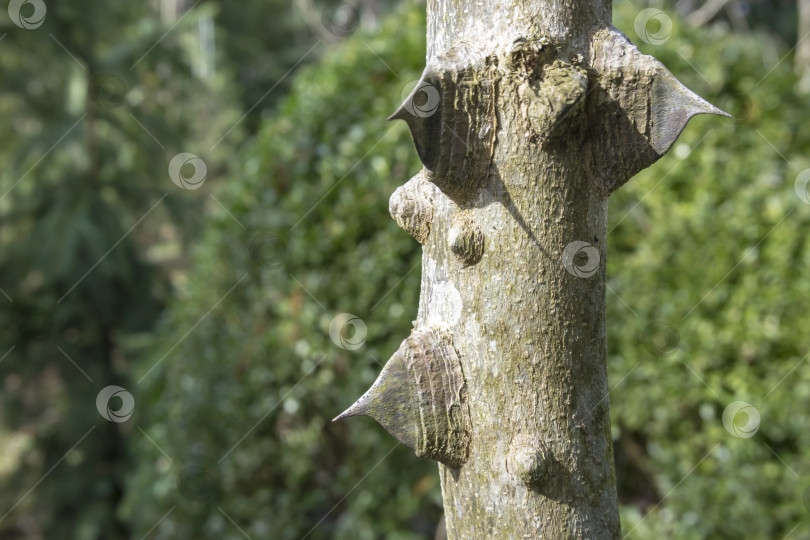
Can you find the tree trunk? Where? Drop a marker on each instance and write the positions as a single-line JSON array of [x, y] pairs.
[[803, 46], [528, 115]]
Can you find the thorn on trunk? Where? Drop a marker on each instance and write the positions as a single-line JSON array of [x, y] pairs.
[[420, 397]]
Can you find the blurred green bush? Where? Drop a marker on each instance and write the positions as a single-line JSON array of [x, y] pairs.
[[243, 405], [706, 306], [708, 301]]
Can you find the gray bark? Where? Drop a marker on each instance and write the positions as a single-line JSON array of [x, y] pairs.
[[529, 114]]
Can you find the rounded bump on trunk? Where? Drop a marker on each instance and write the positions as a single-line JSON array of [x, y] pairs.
[[556, 100], [528, 461], [412, 207], [526, 55], [466, 239]]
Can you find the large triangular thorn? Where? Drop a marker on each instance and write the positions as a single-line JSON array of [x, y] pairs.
[[451, 116], [421, 110], [390, 401], [640, 105], [673, 104], [420, 398]]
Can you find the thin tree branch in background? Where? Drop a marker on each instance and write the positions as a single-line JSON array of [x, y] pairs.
[[706, 12], [737, 17]]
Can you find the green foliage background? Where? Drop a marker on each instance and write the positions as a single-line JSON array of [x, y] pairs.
[[237, 381], [310, 237]]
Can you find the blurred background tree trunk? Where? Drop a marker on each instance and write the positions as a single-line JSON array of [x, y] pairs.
[[803, 46]]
